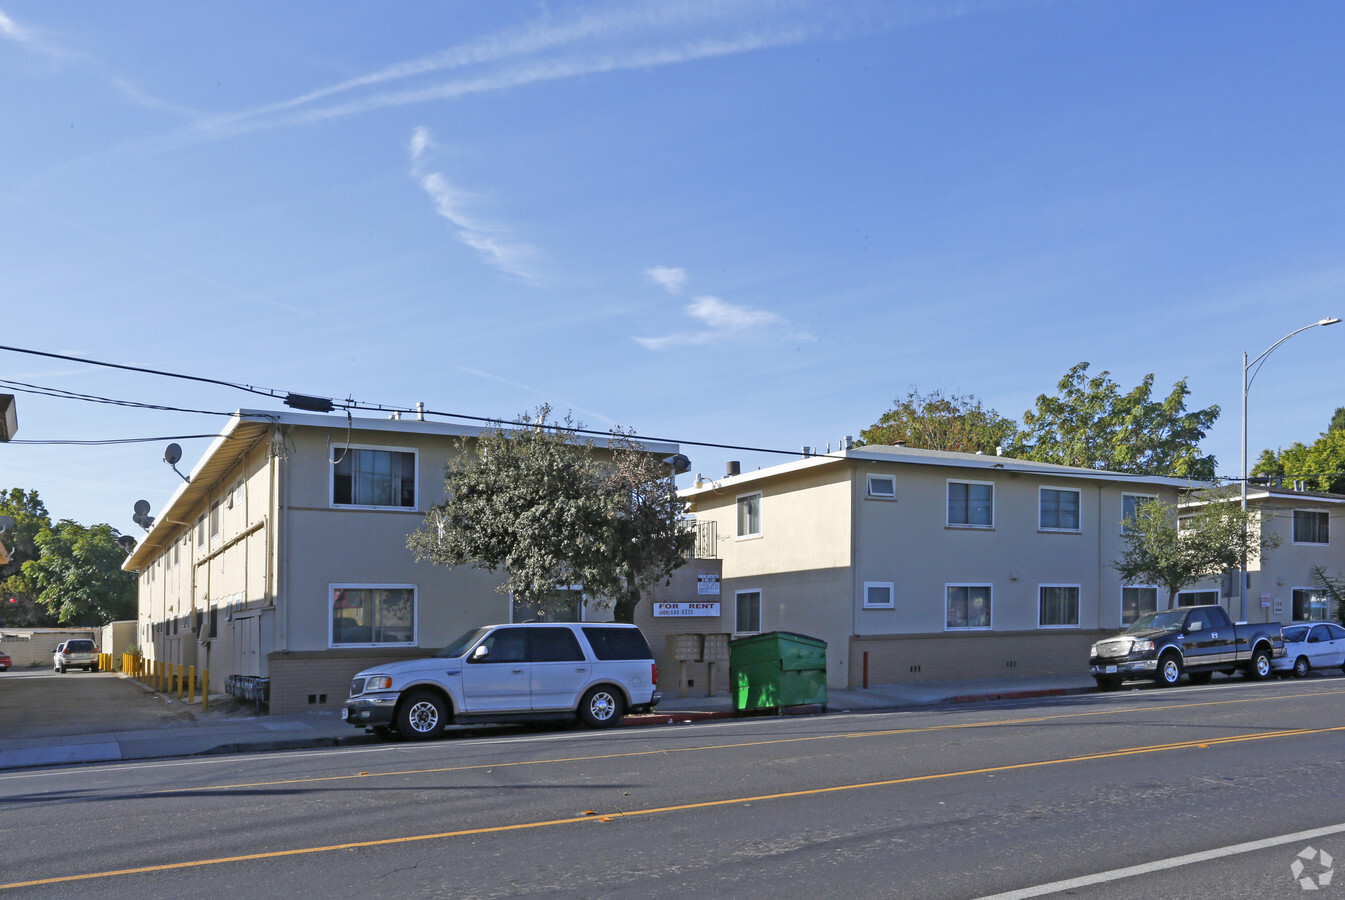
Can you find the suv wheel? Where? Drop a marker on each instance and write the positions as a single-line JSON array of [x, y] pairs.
[[421, 716], [602, 707]]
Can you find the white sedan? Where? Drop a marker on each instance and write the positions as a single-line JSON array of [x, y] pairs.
[[1311, 645]]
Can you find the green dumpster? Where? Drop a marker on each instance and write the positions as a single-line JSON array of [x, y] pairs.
[[777, 669]]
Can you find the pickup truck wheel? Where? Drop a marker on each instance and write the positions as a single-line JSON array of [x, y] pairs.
[[602, 707], [1302, 667], [1259, 668], [1169, 670], [1200, 677], [421, 716]]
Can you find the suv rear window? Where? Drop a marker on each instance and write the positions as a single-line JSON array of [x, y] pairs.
[[618, 643], [78, 646]]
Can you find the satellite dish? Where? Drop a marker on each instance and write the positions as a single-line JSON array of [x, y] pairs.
[[6, 524], [171, 454], [141, 507], [127, 542]]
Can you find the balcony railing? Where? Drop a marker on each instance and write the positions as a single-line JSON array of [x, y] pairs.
[[707, 543]]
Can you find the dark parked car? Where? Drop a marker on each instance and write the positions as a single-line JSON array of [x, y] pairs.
[[5, 662], [1197, 640]]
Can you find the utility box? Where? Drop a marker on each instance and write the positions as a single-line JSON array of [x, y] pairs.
[[778, 669]]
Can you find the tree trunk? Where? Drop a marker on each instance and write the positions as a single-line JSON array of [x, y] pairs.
[[624, 608]]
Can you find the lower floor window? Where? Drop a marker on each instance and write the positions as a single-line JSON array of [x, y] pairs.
[[1058, 606], [373, 615], [968, 606], [749, 612], [1311, 605], [564, 604], [1197, 598], [1138, 601]]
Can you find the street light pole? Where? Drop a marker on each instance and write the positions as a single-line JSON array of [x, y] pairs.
[[1247, 383]]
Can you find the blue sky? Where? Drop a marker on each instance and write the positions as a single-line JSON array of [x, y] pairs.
[[754, 223]]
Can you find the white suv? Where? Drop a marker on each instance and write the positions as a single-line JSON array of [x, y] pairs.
[[597, 672], [76, 654]]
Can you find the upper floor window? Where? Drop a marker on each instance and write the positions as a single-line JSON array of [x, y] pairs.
[[1059, 509], [1129, 504], [1310, 526], [214, 519], [368, 477], [882, 487], [749, 515], [971, 504]]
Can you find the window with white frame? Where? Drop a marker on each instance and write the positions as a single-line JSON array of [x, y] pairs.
[[1197, 598], [214, 519], [749, 515], [971, 504], [1310, 527], [374, 477], [1138, 600], [748, 609], [1059, 509], [882, 487], [1058, 606], [879, 595], [968, 606], [1311, 605], [373, 615], [1129, 504]]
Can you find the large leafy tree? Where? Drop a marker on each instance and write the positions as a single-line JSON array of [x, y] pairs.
[[18, 601], [1090, 423], [551, 509], [1320, 465], [939, 421], [1216, 537], [78, 577]]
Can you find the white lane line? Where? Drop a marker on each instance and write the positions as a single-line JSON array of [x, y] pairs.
[[1159, 865]]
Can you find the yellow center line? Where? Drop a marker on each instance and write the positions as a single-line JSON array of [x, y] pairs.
[[852, 735], [706, 804]]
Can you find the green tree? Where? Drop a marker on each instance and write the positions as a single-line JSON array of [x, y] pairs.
[[1092, 425], [550, 509], [1320, 465], [1216, 537], [939, 421], [30, 519], [1334, 588], [78, 576]]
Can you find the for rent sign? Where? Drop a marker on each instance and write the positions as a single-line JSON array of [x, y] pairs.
[[663, 610]]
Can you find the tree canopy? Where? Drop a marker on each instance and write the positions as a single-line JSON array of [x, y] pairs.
[[1092, 425], [550, 509], [1217, 537], [939, 421], [18, 601], [1320, 465], [78, 577]]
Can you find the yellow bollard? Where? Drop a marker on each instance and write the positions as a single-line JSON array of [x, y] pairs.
[[180, 685], [191, 684], [205, 689]]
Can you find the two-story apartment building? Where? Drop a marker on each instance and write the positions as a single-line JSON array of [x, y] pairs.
[[285, 555], [923, 565], [1280, 586]]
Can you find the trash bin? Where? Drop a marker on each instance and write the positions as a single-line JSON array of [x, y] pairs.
[[778, 669]]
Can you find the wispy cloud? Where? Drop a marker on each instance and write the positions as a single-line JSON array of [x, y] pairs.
[[722, 322], [670, 279], [491, 242]]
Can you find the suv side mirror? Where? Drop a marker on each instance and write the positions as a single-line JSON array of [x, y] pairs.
[[480, 653]]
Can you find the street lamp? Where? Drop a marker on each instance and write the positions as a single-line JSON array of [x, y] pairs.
[[1247, 383]]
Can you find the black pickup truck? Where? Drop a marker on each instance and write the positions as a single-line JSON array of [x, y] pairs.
[[1197, 640]]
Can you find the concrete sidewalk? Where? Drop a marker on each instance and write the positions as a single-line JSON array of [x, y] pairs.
[[230, 727]]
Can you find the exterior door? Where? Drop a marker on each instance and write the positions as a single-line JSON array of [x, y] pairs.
[[559, 669], [498, 680]]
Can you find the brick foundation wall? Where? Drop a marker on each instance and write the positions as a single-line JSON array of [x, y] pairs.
[[896, 659], [302, 681]]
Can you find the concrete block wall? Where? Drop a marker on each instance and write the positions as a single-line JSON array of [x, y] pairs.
[[898, 659], [304, 681]]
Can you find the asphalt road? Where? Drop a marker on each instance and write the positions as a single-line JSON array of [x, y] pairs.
[[1190, 792]]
